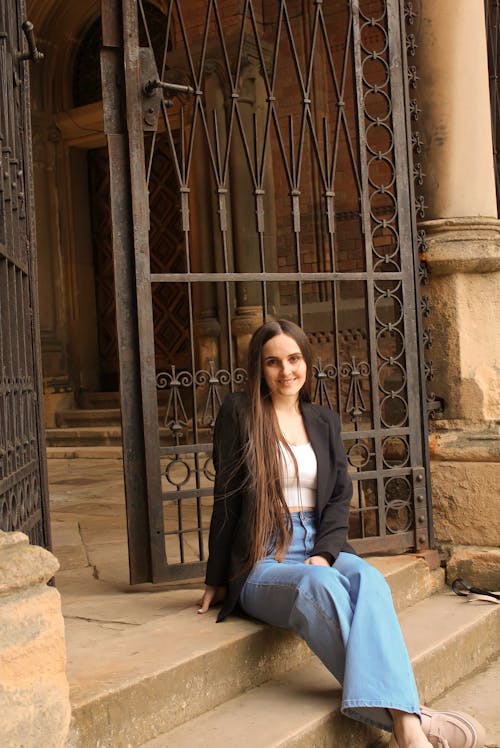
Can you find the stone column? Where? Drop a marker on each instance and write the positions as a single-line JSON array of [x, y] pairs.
[[463, 236], [34, 692]]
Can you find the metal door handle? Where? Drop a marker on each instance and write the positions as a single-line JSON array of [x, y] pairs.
[[34, 54], [151, 85]]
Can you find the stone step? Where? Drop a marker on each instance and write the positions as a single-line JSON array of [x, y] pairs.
[[447, 638], [86, 417], [98, 417], [130, 683], [86, 453], [109, 400], [478, 695], [80, 428], [93, 400], [86, 436], [94, 436]]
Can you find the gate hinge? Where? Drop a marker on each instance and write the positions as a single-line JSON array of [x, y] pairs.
[[420, 509]]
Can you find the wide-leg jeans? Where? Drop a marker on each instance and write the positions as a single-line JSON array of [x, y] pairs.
[[346, 615]]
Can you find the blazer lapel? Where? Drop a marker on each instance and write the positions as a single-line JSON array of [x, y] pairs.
[[318, 431]]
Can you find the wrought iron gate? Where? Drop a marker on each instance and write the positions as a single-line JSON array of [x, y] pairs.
[[288, 128], [23, 480]]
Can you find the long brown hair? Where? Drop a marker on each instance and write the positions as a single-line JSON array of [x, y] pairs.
[[271, 520]]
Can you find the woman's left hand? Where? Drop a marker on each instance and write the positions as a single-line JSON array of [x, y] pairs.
[[317, 561]]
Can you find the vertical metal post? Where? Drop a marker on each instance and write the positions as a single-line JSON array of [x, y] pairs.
[[134, 459]]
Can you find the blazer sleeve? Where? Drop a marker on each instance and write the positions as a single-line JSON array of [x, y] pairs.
[[229, 479], [334, 520]]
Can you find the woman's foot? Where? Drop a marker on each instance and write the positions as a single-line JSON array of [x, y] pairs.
[[408, 732], [452, 729]]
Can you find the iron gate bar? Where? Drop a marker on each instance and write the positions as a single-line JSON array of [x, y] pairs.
[[422, 496], [23, 471], [140, 221], [134, 460], [241, 277], [414, 357]]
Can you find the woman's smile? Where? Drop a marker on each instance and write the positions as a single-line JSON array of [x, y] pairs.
[[283, 366]]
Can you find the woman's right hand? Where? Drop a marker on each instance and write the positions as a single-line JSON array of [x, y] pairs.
[[211, 596]]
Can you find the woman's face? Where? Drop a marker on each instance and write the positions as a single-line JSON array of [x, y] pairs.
[[283, 367]]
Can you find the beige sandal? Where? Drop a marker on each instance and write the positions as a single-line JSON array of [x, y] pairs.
[[452, 729]]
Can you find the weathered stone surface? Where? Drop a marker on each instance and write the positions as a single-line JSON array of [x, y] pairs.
[[463, 245], [23, 565], [34, 692], [450, 443], [476, 565], [465, 497], [465, 311]]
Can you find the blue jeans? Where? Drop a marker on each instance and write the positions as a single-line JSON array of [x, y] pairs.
[[346, 615]]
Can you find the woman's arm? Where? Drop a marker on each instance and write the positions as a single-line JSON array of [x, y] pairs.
[[229, 472], [334, 521]]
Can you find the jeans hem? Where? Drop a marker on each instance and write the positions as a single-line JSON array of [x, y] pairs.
[[355, 709]]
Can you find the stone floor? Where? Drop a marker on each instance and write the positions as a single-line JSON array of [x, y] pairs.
[[89, 538]]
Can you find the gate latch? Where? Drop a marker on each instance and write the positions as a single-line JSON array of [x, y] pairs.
[[152, 89]]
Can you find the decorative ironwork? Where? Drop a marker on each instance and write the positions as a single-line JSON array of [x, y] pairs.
[[417, 142], [420, 206], [322, 374], [297, 121], [23, 482], [425, 306], [355, 403]]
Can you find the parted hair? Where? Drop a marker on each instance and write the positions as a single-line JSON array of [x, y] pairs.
[[271, 520]]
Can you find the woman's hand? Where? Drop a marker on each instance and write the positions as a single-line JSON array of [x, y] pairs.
[[211, 596], [317, 561]]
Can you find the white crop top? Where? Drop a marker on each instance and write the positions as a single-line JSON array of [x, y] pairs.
[[301, 493]]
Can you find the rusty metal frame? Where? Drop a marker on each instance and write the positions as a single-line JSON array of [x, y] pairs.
[[147, 499]]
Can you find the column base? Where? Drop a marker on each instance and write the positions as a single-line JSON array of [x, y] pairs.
[[465, 471]]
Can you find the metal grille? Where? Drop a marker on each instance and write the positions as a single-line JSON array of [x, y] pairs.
[[492, 13], [23, 486], [288, 131]]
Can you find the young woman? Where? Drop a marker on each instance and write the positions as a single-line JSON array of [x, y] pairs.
[[278, 543]]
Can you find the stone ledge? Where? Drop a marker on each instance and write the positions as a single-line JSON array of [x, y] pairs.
[[464, 445], [462, 245]]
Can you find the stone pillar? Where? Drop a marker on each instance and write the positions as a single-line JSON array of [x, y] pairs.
[[463, 254], [34, 692]]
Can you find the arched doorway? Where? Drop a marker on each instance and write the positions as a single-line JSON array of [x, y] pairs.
[[78, 321]]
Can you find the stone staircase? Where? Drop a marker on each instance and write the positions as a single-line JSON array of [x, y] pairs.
[[95, 423], [179, 680]]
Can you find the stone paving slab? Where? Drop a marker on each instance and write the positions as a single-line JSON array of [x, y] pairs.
[[479, 695]]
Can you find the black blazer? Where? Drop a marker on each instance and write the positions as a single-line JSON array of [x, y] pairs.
[[229, 528]]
